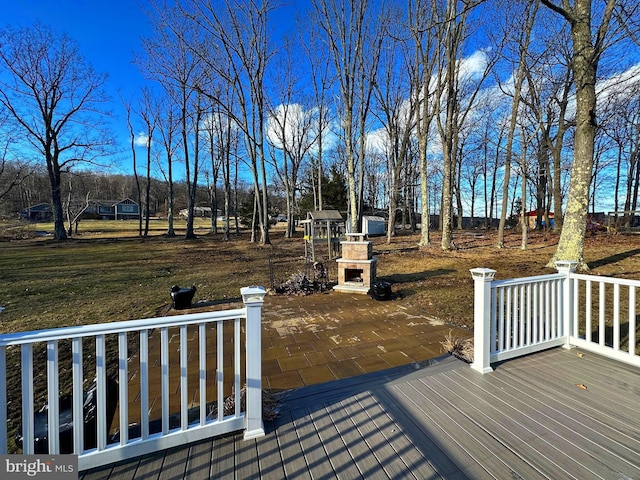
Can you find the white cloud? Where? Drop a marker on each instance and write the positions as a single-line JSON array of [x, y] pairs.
[[293, 127], [141, 140], [474, 66]]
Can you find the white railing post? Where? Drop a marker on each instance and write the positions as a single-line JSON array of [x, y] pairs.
[[253, 298], [566, 268], [482, 334]]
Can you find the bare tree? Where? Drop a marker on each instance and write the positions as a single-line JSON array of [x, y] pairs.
[[398, 101], [235, 45], [422, 24], [148, 112], [353, 31], [590, 37], [291, 131], [57, 99], [319, 71], [169, 58], [457, 90], [521, 47], [13, 170], [549, 85], [167, 131], [134, 158]]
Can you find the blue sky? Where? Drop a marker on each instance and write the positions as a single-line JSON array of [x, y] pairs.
[[107, 31]]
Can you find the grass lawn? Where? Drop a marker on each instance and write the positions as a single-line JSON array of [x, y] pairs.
[[106, 273]]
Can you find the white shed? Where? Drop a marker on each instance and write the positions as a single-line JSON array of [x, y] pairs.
[[372, 225]]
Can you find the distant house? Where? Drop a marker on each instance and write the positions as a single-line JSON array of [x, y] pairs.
[[532, 218], [125, 209], [37, 213], [199, 212]]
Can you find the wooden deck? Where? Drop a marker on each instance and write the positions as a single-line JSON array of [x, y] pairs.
[[554, 414]]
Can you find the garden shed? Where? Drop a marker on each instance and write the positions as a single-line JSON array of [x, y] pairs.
[[372, 225], [323, 227]]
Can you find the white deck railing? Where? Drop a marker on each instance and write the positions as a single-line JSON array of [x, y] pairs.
[[179, 368], [520, 316]]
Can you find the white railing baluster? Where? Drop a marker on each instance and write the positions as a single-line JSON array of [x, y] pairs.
[[554, 309], [28, 420], [144, 384], [494, 312], [53, 405], [616, 316], [202, 366], [528, 340], [535, 334], [78, 398], [632, 320], [509, 320], [575, 310], [547, 311], [164, 369], [502, 330], [515, 317], [220, 370], [601, 314], [589, 309], [101, 392], [123, 384], [184, 392], [237, 380]]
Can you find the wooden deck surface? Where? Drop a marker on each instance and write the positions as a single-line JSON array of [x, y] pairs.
[[554, 414]]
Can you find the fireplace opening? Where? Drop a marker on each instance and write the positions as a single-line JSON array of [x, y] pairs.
[[353, 275]]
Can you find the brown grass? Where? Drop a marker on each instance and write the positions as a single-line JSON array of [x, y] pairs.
[[99, 277], [458, 346]]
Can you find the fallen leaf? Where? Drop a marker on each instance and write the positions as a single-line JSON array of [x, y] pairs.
[[582, 386], [579, 355]]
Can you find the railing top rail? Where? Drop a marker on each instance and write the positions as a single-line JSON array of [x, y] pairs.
[[610, 280], [526, 280], [19, 338]]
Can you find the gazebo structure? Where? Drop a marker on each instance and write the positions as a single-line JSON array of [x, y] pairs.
[[323, 227]]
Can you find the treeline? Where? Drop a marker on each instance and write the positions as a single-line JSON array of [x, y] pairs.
[[78, 188]]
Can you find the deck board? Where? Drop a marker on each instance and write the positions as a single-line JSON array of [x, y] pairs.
[[314, 452], [551, 418], [270, 458], [223, 464], [339, 456], [199, 460], [399, 438], [473, 437], [568, 397], [528, 419], [290, 447], [386, 456]]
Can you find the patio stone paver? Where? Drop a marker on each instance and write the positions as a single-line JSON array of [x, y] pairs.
[[316, 374], [334, 335]]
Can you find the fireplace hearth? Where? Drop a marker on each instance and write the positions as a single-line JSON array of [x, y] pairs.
[[356, 267]]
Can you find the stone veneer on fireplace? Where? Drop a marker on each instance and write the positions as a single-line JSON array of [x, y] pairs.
[[356, 267]]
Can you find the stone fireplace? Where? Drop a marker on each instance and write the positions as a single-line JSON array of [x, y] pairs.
[[356, 267]]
